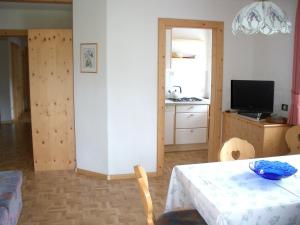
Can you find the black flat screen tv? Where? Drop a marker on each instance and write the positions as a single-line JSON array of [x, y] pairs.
[[252, 96]]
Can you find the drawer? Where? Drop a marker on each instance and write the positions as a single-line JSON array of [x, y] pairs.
[[170, 108], [191, 108], [191, 136], [191, 120]]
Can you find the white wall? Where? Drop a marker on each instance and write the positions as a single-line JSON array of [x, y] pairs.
[[25, 16], [90, 89], [5, 105], [273, 59], [132, 70], [123, 97]]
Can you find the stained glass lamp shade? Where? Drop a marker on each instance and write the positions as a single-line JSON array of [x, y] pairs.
[[261, 17]]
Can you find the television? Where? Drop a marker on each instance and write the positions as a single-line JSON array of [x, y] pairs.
[[252, 96]]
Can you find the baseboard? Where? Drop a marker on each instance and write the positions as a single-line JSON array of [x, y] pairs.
[[7, 122], [186, 147], [110, 177], [91, 174]]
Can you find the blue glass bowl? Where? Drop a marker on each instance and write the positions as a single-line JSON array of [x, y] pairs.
[[272, 170]]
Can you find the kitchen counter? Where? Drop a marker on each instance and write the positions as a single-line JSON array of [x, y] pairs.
[[203, 102]]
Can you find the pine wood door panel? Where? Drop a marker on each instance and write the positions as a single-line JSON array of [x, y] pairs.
[[51, 91], [17, 80]]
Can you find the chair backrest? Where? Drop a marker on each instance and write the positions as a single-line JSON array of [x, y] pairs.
[[141, 173], [236, 148], [292, 138], [142, 181]]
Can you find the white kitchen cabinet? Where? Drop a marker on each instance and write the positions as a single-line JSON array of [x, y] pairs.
[[191, 108], [169, 124], [191, 124], [191, 120], [191, 136]]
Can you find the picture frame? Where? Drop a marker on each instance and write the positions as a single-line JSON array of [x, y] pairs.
[[89, 58]]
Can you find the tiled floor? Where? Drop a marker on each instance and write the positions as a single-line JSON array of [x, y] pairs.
[[64, 198]]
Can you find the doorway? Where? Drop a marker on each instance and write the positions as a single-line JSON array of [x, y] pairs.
[[49, 81], [15, 130], [215, 108]]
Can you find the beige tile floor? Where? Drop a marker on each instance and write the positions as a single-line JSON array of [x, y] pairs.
[[64, 198]]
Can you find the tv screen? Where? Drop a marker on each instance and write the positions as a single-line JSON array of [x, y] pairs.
[[252, 96]]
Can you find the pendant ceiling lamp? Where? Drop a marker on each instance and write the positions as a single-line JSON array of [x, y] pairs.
[[261, 17]]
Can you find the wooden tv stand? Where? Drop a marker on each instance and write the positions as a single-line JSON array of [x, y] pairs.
[[268, 139]]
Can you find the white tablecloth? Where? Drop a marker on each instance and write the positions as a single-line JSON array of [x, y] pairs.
[[229, 193]]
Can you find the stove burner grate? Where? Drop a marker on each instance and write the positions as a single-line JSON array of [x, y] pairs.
[[185, 99]]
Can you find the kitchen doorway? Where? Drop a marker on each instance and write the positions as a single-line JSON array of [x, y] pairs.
[[210, 93]]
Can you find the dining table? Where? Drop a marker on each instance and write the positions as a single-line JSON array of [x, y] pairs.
[[230, 193]]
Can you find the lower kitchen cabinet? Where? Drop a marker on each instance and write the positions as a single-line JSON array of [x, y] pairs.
[[191, 120], [186, 124], [169, 124], [191, 136]]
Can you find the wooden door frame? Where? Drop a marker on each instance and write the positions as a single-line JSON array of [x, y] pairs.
[[215, 125], [13, 33]]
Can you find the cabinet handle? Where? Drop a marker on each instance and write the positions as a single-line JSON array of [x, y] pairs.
[[191, 115], [191, 107], [192, 131]]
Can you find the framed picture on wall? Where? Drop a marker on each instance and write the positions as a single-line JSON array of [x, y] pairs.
[[89, 58]]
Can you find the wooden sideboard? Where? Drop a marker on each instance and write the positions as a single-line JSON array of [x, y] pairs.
[[268, 139]]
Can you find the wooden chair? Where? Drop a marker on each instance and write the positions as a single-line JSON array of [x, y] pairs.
[[292, 138], [185, 217], [236, 148]]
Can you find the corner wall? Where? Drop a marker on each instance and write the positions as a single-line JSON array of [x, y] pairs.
[[90, 90], [132, 30], [116, 110]]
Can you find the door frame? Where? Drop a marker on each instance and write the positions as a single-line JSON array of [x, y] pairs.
[[13, 33], [215, 124]]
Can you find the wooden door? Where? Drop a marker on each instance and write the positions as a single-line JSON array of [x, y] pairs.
[[51, 99], [17, 80]]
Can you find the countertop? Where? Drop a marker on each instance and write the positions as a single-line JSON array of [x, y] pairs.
[[203, 102]]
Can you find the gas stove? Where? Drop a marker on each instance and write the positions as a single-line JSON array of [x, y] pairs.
[[185, 99]]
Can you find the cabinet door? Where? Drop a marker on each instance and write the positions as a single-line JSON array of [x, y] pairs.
[[169, 125], [191, 136], [191, 108], [191, 120]]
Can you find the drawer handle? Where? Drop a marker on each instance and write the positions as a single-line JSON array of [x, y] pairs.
[[191, 107], [191, 115], [192, 131]]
